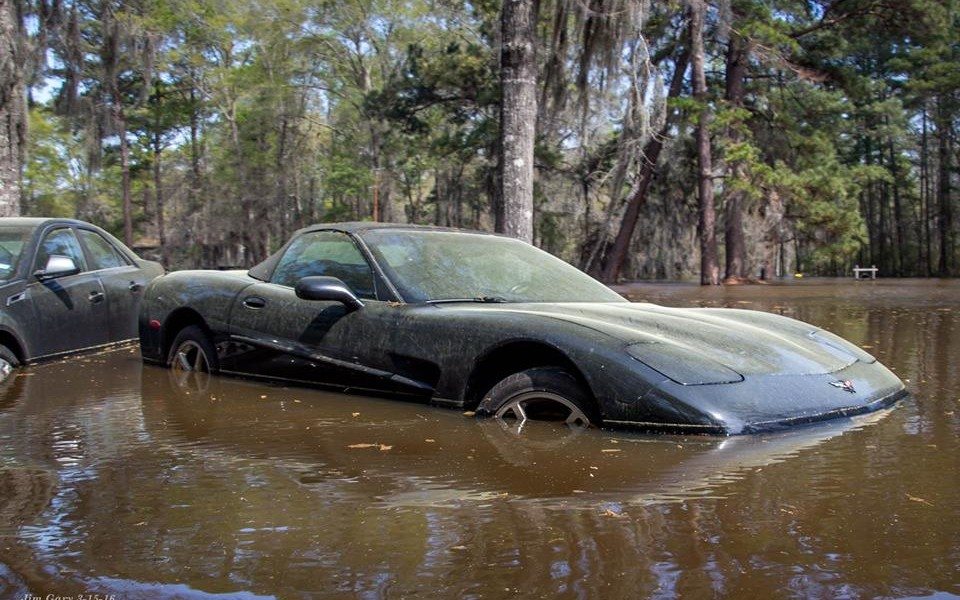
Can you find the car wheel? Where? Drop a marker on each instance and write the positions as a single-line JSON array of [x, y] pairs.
[[193, 351], [8, 362], [540, 394]]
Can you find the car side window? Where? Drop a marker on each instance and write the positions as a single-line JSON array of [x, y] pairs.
[[102, 253], [328, 253], [60, 242]]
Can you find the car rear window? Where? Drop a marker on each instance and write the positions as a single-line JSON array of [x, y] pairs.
[[103, 255]]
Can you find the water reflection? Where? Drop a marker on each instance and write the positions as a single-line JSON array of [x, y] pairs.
[[426, 457], [117, 478]]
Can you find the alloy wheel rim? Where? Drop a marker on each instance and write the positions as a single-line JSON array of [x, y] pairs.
[[5, 369], [190, 356], [525, 406]]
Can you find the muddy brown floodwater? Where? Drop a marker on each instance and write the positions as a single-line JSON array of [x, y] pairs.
[[120, 479]]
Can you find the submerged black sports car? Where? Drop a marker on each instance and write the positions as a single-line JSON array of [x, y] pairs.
[[491, 324], [65, 286]]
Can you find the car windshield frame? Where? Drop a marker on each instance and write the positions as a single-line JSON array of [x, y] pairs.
[[477, 267], [10, 261]]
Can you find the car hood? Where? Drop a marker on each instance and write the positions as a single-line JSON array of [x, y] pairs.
[[748, 342]]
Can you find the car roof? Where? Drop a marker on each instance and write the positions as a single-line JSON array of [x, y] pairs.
[[36, 221], [361, 226]]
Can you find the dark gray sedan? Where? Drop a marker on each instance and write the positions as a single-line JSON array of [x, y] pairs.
[[65, 286]]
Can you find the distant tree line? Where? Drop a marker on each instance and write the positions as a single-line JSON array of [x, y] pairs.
[[722, 140]]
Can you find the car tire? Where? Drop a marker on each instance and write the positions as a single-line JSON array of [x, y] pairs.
[[193, 350], [542, 393], [8, 362]]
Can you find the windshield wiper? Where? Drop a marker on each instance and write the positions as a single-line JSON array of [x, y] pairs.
[[480, 299]]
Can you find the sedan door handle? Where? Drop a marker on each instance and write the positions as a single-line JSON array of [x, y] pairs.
[[134, 286], [95, 297], [254, 302]]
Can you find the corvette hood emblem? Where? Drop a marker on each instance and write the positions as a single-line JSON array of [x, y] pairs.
[[845, 385]]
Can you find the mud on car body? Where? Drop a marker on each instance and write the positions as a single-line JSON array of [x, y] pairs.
[[65, 286], [488, 323]]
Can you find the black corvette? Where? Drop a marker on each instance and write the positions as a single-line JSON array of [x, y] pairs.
[[487, 323], [65, 286]]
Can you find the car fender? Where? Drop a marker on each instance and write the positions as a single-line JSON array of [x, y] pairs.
[[612, 375], [210, 294], [9, 327]]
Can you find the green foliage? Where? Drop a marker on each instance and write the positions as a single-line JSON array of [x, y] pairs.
[[249, 119], [50, 176]]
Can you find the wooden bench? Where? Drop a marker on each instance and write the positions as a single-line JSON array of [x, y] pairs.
[[860, 272]]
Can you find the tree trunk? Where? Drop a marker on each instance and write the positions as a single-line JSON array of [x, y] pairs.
[[194, 192], [375, 157], [12, 109], [900, 250], [110, 55], [638, 196], [868, 201], [121, 123], [518, 115], [925, 197], [158, 197], [709, 268], [943, 189], [283, 199], [738, 56]]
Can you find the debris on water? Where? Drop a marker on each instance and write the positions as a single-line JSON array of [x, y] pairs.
[[920, 500], [356, 414], [610, 450], [430, 440], [469, 413], [378, 445]]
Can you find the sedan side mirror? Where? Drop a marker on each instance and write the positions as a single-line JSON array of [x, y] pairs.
[[328, 288], [57, 266]]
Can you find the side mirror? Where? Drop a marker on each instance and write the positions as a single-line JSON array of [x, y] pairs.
[[57, 266], [328, 288]]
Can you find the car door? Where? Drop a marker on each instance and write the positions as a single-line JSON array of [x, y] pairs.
[[70, 312], [282, 336], [122, 281]]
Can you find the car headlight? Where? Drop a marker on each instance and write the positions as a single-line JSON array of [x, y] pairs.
[[682, 365]]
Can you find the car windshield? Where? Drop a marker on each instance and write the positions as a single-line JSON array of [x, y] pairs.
[[12, 242], [431, 266]]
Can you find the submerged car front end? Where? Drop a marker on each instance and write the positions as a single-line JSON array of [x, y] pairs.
[[761, 403], [722, 371]]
